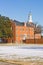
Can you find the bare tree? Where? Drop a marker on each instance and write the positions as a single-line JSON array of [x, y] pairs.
[[38, 29]]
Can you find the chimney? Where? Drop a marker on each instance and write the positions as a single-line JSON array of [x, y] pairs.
[[25, 24]]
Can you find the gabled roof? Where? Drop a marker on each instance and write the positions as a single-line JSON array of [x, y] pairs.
[[22, 23], [30, 24], [19, 23]]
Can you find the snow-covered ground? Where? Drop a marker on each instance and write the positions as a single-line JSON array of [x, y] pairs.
[[15, 52]]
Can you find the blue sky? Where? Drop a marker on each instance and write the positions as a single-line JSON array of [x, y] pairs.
[[19, 9]]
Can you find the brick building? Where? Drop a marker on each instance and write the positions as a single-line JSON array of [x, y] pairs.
[[23, 30]]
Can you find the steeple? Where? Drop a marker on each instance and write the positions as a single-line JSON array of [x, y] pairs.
[[30, 17]]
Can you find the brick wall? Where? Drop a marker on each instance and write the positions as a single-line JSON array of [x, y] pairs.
[[33, 41]]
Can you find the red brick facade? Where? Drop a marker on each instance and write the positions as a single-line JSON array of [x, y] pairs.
[[21, 33]]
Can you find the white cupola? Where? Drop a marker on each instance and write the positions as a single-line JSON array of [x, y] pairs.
[[30, 18]]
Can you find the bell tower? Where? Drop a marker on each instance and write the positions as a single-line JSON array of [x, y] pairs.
[[30, 18]]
